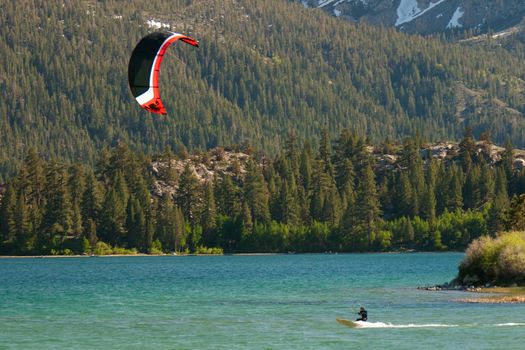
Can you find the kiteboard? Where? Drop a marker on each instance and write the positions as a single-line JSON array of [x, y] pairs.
[[348, 323]]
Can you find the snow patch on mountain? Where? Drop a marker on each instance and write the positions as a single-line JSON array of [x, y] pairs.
[[324, 3], [408, 10], [454, 21], [333, 3], [157, 25]]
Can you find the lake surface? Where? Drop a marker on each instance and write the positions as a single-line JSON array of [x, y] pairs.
[[246, 302]]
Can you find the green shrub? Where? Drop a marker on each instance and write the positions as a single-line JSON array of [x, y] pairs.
[[206, 250], [156, 247], [102, 248], [498, 260], [85, 247], [67, 252], [124, 251], [383, 240]]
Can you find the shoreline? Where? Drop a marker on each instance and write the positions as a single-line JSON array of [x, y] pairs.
[[498, 295], [127, 255], [232, 254]]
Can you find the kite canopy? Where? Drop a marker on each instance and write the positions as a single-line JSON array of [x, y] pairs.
[[144, 66]]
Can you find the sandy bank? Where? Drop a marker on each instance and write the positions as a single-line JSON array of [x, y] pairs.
[[501, 295]]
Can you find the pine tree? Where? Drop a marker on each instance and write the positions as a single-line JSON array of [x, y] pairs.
[[360, 156], [7, 208], [227, 197], [411, 160], [404, 195], [90, 232], [497, 215], [56, 222], [209, 214], [408, 231], [25, 241], [291, 153], [76, 187], [135, 225], [428, 204], [320, 185], [342, 160], [91, 200], [120, 185], [471, 188], [112, 218], [281, 211], [349, 241], [467, 150], [103, 167], [515, 220], [187, 195], [501, 185], [367, 210], [247, 221], [140, 190], [255, 194], [35, 179], [305, 167], [442, 192], [345, 179], [149, 234], [304, 206], [325, 152], [486, 183], [165, 222], [507, 164], [331, 211], [180, 230], [386, 195], [454, 188], [32, 187]]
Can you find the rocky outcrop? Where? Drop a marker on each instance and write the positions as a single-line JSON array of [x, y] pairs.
[[220, 162], [449, 151], [205, 166]]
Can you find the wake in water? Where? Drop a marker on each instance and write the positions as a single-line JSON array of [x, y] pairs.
[[361, 324]]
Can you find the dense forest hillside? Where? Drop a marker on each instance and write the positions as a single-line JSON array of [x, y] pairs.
[[264, 67]]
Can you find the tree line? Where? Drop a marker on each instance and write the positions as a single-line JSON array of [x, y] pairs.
[[332, 197]]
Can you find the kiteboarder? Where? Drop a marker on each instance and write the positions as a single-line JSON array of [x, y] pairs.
[[363, 314]]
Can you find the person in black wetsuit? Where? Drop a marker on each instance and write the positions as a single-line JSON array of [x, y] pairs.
[[363, 314]]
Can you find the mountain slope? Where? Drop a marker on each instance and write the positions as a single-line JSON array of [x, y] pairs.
[[428, 16], [264, 67]]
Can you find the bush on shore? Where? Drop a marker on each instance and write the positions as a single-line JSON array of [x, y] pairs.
[[499, 260], [102, 248], [209, 250]]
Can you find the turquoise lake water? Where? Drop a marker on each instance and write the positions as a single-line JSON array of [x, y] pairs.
[[246, 302]]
